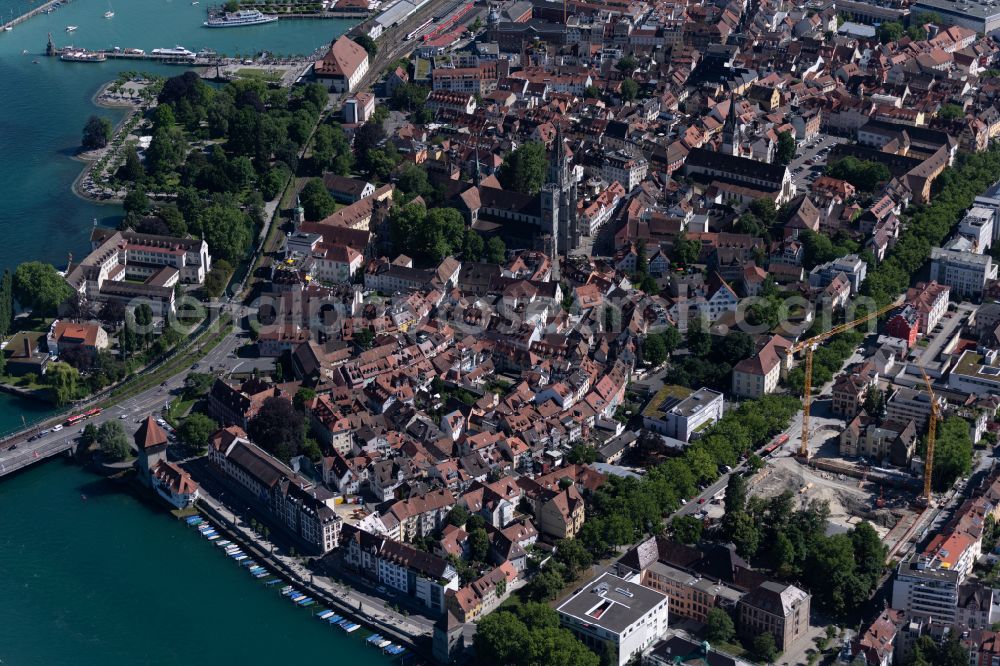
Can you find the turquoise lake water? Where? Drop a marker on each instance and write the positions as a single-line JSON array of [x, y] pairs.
[[44, 106], [109, 580]]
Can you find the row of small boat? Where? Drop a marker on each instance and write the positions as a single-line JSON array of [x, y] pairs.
[[384, 644], [235, 552]]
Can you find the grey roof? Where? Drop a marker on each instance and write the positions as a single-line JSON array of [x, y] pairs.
[[611, 603]]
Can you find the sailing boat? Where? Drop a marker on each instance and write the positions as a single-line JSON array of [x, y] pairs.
[[111, 12]]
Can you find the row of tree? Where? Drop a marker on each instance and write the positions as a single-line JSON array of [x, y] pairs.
[[827, 360], [930, 224]]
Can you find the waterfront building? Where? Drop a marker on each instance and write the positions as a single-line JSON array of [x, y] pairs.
[[344, 65], [610, 610], [401, 567], [129, 267], [174, 484], [303, 508], [151, 444], [67, 335], [24, 356]]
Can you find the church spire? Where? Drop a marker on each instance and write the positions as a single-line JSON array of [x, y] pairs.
[[558, 167], [477, 177], [731, 136]]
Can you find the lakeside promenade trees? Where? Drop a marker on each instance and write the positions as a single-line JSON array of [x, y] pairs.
[[38, 286], [96, 133]]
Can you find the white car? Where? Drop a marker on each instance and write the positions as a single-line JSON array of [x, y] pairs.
[[57, 428]]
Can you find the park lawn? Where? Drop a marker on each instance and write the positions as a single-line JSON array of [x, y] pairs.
[[258, 74]]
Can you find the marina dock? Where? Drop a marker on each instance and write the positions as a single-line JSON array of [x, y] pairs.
[[40, 9]]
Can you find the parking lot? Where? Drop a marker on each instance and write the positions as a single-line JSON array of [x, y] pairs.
[[810, 158]]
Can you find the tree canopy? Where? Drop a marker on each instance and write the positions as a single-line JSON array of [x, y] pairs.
[[96, 133], [524, 169], [530, 636], [113, 440], [39, 287], [865, 175], [786, 147], [278, 428], [195, 431], [316, 200]]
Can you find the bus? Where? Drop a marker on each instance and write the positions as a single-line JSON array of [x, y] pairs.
[[82, 416]]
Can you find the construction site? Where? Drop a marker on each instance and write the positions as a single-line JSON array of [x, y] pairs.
[[890, 510], [898, 503]]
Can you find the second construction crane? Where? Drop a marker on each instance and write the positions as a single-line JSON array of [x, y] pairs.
[[931, 433], [809, 346]]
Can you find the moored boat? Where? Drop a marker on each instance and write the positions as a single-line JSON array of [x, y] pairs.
[[243, 17]]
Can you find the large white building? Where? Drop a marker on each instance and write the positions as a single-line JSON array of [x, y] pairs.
[[629, 616], [680, 418], [977, 226], [130, 267], [965, 272], [852, 266], [927, 585], [345, 65], [976, 373]]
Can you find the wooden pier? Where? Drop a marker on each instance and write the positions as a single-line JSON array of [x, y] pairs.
[[34, 12]]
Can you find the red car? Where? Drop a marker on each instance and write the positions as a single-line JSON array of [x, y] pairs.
[[701, 500]]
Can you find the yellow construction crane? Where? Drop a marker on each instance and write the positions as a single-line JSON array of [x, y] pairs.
[[809, 346], [931, 433]]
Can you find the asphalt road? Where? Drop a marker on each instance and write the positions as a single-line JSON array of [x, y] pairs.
[[130, 411]]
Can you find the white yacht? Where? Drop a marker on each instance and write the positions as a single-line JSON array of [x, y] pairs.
[[241, 18]]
